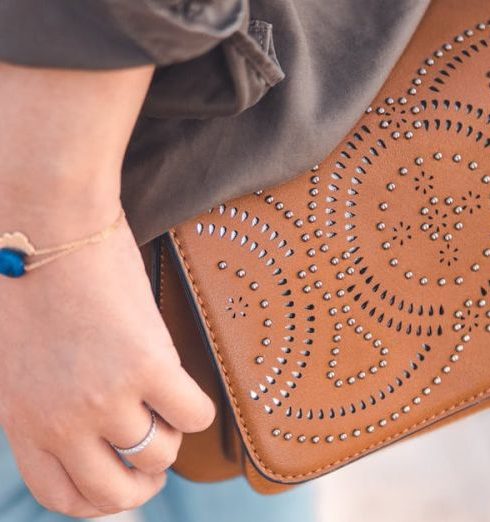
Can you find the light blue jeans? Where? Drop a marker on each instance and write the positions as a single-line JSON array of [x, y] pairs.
[[180, 501]]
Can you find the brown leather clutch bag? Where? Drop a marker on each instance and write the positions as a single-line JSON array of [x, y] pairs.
[[350, 307]]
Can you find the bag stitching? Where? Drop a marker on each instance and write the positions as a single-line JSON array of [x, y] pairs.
[[263, 465]]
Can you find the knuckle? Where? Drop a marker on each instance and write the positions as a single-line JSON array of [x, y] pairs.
[[95, 400]]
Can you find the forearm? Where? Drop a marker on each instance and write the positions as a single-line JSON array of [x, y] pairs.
[[64, 133]]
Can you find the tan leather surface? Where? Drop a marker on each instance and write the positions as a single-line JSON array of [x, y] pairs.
[[209, 455], [350, 307]]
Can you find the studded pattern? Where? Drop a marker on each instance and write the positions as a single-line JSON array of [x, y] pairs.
[[351, 306]]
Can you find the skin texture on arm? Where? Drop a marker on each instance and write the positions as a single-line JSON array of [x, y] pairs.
[[82, 344]]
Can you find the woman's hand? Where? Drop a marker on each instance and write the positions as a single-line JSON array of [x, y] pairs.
[[82, 344]]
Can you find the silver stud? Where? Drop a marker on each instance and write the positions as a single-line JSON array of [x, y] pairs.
[[240, 273], [458, 225], [486, 252], [437, 380], [394, 262], [259, 359], [416, 400], [386, 245], [457, 158], [419, 161], [383, 423], [395, 135], [356, 432], [339, 383], [486, 180], [267, 323], [438, 156], [276, 432], [446, 369], [454, 357], [383, 206], [288, 436], [423, 280], [408, 275], [264, 303], [222, 265], [370, 428], [473, 165], [406, 409], [441, 281], [391, 187], [475, 267], [266, 341], [329, 438], [315, 439], [403, 171], [395, 416], [426, 391], [459, 280], [302, 438], [343, 436], [302, 274]]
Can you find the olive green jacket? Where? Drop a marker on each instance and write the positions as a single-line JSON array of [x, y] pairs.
[[246, 93]]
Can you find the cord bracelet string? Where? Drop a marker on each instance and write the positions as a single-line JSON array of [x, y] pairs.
[[19, 256]]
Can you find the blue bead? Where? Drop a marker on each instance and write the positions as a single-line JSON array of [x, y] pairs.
[[12, 262]]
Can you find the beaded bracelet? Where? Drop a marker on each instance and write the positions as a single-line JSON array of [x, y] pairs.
[[18, 255]]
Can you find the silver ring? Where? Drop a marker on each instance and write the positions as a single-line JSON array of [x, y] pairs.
[[137, 448]]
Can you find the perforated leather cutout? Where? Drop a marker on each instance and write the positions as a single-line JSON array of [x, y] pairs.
[[351, 306]]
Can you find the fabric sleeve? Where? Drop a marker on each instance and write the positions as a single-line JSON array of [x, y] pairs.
[[110, 34]]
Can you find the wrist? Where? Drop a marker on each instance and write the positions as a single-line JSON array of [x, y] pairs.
[[54, 208]]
